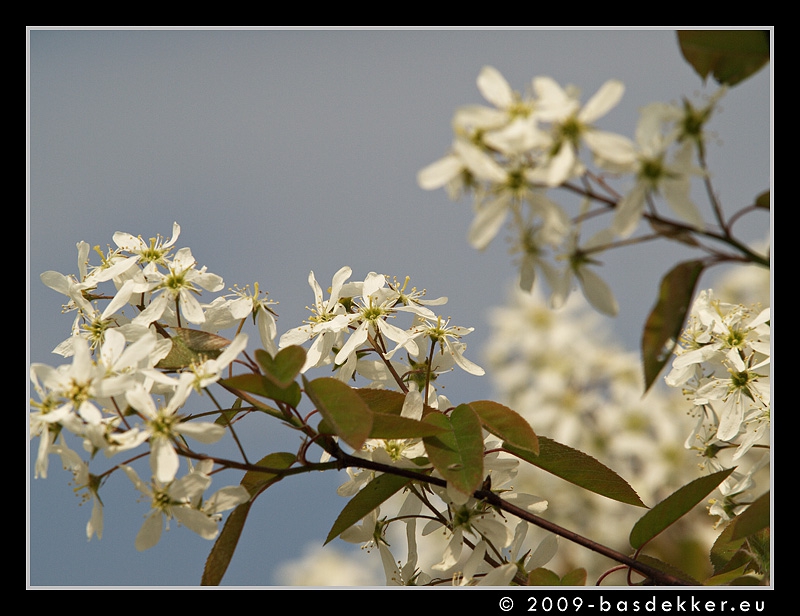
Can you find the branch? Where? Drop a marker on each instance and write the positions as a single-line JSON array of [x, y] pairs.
[[656, 575]]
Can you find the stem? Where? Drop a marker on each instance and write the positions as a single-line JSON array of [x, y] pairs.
[[388, 364], [428, 371], [646, 570], [230, 425], [178, 309], [712, 197], [677, 227]]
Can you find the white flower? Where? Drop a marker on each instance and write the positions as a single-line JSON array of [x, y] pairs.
[[178, 286], [596, 291], [173, 500], [448, 338], [163, 425], [742, 390], [734, 490], [84, 482], [369, 314], [474, 573], [369, 533], [156, 251], [722, 362], [225, 312], [573, 125], [326, 324], [81, 384], [470, 518], [210, 371], [656, 175], [79, 290]]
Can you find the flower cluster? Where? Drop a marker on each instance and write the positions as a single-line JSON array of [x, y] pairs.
[[511, 154], [563, 372], [722, 366], [352, 330], [143, 343], [119, 390], [464, 541]]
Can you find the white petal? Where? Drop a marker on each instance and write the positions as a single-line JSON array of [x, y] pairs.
[[150, 533], [487, 222], [555, 103], [603, 101], [203, 431], [462, 361], [598, 292], [560, 167], [153, 312], [339, 278], [412, 405], [191, 308], [480, 164], [495, 88], [676, 192], [164, 460], [611, 148], [499, 576], [95, 524], [196, 521], [439, 173], [544, 553], [136, 481], [226, 498], [357, 338], [629, 211], [295, 336]]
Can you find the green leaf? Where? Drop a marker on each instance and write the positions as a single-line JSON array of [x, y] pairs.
[[576, 577], [225, 545], [579, 468], [383, 401], [386, 401], [506, 424], [192, 346], [728, 577], [543, 577], [388, 426], [368, 498], [262, 386], [731, 56], [752, 519], [387, 422], [284, 367], [342, 408], [674, 507], [258, 481], [226, 417], [458, 453], [666, 320], [763, 200], [726, 554], [743, 546]]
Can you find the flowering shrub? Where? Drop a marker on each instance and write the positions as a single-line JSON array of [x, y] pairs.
[[147, 344]]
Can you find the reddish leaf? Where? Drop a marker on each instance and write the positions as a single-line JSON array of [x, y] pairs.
[[665, 323], [506, 424], [342, 408], [458, 453]]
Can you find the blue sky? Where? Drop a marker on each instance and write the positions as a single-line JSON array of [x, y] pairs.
[[284, 151]]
